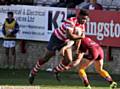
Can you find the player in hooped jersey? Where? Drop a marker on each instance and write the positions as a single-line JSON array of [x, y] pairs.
[[59, 38], [94, 54]]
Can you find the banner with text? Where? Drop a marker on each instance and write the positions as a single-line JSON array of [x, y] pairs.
[[36, 22], [104, 27]]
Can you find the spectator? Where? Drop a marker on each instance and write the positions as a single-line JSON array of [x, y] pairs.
[[5, 2], [94, 5], [83, 4], [9, 29], [61, 3], [64, 3]]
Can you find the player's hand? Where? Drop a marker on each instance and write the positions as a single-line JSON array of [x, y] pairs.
[[82, 35], [77, 52], [8, 33]]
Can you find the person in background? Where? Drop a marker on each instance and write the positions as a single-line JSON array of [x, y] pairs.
[[93, 5], [5, 2], [83, 4], [10, 29]]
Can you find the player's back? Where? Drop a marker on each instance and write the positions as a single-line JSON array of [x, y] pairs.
[[88, 43]]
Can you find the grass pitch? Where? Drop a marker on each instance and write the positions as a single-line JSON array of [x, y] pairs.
[[18, 79]]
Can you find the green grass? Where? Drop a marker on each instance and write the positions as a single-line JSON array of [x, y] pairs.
[[46, 80]]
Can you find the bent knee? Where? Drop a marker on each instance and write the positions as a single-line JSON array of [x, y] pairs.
[[66, 62], [99, 70]]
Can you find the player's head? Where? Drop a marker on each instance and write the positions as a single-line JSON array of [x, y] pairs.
[[82, 16], [10, 15]]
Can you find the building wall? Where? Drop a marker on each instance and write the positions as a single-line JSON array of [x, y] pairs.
[[37, 49], [34, 50]]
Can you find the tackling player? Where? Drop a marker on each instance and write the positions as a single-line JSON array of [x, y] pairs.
[[94, 55]]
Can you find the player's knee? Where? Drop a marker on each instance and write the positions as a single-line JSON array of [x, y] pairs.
[[99, 70], [66, 62], [45, 59], [48, 56]]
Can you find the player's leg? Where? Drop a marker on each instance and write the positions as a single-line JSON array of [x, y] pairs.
[[7, 57], [99, 68], [6, 46], [13, 52], [71, 64], [12, 45], [76, 60], [66, 60], [67, 57], [59, 68], [91, 56], [53, 45], [66, 52], [48, 54], [39, 63], [82, 73], [50, 51]]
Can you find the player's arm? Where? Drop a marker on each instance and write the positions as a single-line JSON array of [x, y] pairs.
[[79, 55], [68, 45], [3, 29], [73, 36], [76, 62], [70, 27], [16, 29], [77, 46]]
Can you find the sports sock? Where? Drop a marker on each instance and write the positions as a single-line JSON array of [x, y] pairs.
[[83, 75], [106, 75], [59, 68], [37, 66]]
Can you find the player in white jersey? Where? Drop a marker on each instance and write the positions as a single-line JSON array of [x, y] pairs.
[[59, 38]]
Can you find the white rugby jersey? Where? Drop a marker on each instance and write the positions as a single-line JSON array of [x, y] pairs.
[[69, 24]]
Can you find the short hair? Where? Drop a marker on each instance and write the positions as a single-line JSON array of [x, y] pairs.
[[10, 13], [83, 12]]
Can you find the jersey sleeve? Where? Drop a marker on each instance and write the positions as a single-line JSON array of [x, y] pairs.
[[69, 24]]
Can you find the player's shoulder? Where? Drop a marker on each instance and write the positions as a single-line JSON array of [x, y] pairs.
[[72, 19], [87, 38]]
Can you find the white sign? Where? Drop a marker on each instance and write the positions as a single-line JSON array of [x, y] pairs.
[[36, 23]]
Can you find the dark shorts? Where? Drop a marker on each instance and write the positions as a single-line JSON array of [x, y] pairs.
[[55, 43], [95, 53]]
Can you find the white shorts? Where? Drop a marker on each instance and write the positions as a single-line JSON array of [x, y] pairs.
[[9, 44]]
